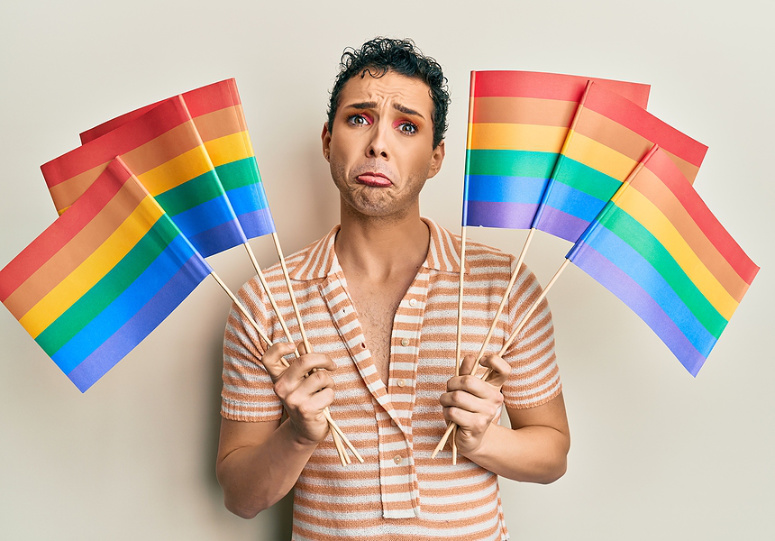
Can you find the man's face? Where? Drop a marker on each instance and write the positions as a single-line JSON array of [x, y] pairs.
[[381, 144]]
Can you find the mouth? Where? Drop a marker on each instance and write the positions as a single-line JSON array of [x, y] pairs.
[[375, 180]]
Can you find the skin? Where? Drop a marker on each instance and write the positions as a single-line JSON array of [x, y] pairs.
[[380, 150]]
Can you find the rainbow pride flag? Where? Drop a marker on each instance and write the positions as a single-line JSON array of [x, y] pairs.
[[518, 121], [609, 136], [164, 150], [658, 247], [218, 116], [104, 275]]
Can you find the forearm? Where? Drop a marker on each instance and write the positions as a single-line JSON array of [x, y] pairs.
[[255, 477], [536, 454]]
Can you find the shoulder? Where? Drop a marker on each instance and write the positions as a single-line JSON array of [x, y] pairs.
[[486, 264], [252, 292], [445, 250], [479, 257]]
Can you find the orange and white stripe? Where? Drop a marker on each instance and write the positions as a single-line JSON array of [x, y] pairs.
[[399, 488]]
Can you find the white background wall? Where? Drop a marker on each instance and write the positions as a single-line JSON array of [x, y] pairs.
[[656, 454]]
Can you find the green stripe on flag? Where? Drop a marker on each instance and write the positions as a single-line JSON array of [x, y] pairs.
[[109, 287], [510, 163], [238, 174], [642, 241], [188, 195], [585, 179]]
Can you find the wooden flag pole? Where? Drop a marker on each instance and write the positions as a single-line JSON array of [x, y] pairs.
[[498, 313], [459, 337], [241, 308], [463, 234], [337, 440], [336, 432], [505, 299], [268, 292], [508, 343], [307, 347], [287, 277]]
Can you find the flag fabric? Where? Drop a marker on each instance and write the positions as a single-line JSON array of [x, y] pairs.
[[658, 247], [162, 147], [217, 113], [610, 135], [104, 275], [518, 122]]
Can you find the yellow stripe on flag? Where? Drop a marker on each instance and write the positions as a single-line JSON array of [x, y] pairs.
[[93, 268], [651, 217], [176, 171], [229, 148], [598, 156], [530, 137]]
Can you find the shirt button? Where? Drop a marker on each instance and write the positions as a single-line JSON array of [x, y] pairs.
[[401, 382], [412, 302], [397, 459], [405, 342]]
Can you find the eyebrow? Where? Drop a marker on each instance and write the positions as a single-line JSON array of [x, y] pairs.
[[397, 106]]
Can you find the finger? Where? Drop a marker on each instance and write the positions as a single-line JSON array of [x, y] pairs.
[[301, 369], [467, 365], [312, 395], [473, 385], [273, 359], [316, 382], [467, 421], [470, 411], [310, 362], [500, 370], [460, 399]]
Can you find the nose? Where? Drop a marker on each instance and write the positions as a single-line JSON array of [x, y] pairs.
[[377, 147]]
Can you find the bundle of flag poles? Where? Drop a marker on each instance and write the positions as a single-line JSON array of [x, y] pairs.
[[142, 202], [581, 159]]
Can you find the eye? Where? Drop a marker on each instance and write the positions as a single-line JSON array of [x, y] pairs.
[[406, 127], [358, 120]]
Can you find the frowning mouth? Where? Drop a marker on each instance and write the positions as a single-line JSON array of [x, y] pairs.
[[376, 180]]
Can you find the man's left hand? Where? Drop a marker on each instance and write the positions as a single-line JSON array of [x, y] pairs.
[[474, 404]]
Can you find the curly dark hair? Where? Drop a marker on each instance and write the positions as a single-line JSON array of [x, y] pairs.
[[380, 55]]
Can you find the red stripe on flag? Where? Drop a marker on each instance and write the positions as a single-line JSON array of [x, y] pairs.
[[110, 125], [629, 114], [555, 86], [166, 116], [199, 101], [58, 234], [662, 166], [214, 97]]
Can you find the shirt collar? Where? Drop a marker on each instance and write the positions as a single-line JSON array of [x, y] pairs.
[[320, 261]]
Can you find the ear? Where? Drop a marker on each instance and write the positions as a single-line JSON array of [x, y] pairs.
[[326, 139], [437, 157]]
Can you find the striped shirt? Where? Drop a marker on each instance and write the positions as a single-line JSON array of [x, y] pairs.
[[399, 493]]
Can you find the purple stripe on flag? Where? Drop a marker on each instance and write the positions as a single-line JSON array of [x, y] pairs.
[[499, 214], [257, 223], [633, 295], [134, 331], [219, 238], [561, 224]]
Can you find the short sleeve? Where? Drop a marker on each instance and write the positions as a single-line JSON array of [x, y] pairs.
[[535, 377], [247, 393]]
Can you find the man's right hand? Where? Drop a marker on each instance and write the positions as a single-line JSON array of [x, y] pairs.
[[305, 388]]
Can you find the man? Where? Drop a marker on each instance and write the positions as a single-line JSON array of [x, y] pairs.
[[379, 297]]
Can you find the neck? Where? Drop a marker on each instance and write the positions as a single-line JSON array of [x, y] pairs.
[[381, 247]]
